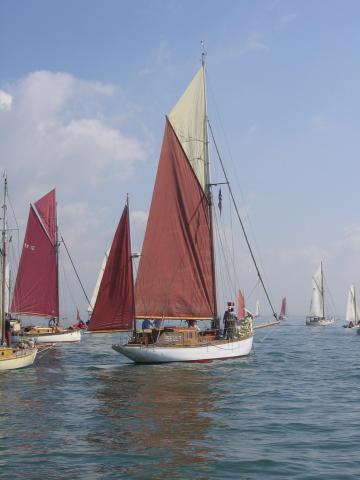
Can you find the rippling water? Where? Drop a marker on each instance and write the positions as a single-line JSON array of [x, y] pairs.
[[290, 410]]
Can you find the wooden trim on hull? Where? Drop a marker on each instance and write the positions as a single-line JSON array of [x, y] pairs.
[[22, 360], [156, 354], [56, 337]]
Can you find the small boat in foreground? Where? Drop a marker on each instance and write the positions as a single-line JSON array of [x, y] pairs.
[[317, 306], [24, 354]]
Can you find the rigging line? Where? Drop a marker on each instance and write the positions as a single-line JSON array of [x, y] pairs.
[[66, 282], [241, 223], [222, 250], [235, 173], [76, 273]]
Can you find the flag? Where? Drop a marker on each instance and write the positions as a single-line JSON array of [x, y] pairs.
[[220, 201]]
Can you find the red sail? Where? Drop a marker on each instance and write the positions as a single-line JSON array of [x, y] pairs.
[[36, 287], [175, 277], [241, 305], [114, 307]]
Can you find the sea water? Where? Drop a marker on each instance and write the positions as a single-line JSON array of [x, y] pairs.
[[291, 410]]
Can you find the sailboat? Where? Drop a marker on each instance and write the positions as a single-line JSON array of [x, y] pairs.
[[176, 275], [36, 291], [241, 305], [317, 305], [24, 354], [352, 310], [283, 309], [257, 309], [114, 306]]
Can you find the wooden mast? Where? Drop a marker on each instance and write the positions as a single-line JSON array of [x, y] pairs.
[[3, 265], [207, 181]]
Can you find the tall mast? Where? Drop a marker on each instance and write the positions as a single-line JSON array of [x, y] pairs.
[[3, 265], [207, 178], [355, 308], [131, 267], [322, 290], [57, 260]]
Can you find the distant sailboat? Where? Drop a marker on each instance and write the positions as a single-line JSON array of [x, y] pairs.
[[241, 305], [176, 275], [257, 309], [283, 310], [23, 355], [352, 310], [36, 291], [317, 306]]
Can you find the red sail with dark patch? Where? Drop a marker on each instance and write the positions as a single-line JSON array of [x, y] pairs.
[[241, 305], [114, 307], [36, 287], [175, 277]]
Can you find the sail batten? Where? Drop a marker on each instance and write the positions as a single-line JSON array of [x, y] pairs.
[[113, 310], [175, 277], [36, 286]]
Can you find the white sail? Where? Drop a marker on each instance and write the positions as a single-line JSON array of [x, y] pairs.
[[187, 120], [352, 314], [98, 282], [317, 299], [257, 309]]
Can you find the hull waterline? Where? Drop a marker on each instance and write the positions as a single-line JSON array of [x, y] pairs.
[[73, 336], [23, 358], [204, 353]]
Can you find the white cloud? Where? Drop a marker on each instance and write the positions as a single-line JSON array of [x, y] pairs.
[[5, 100], [60, 131]]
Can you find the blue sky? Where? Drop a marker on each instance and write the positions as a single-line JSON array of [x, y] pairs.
[[85, 87]]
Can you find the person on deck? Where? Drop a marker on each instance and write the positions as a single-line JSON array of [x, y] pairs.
[[146, 324], [8, 332], [229, 321]]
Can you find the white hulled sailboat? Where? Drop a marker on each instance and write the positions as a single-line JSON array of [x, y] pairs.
[[352, 310], [36, 292], [317, 305], [23, 355], [176, 275]]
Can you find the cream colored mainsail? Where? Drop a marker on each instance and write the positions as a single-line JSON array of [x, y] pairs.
[[188, 121]]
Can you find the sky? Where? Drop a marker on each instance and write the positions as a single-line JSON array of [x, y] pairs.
[[84, 90]]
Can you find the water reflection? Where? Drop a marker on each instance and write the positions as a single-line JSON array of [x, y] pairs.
[[158, 418]]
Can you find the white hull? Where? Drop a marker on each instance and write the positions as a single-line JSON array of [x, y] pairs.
[[322, 322], [56, 337], [23, 358], [157, 354]]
